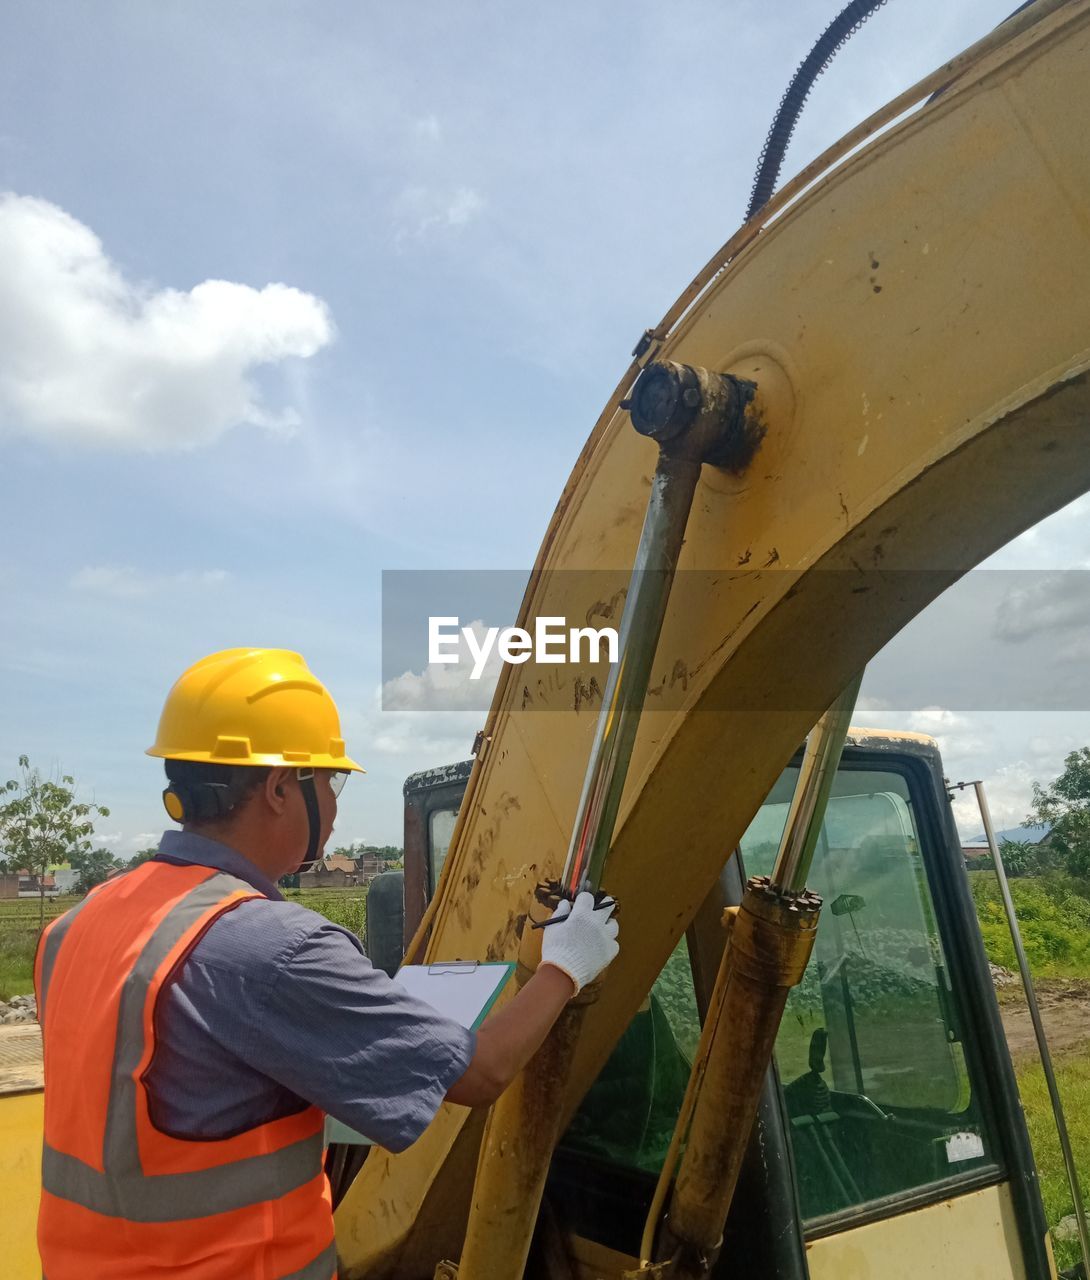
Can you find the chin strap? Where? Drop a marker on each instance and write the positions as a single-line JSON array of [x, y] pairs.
[[310, 799]]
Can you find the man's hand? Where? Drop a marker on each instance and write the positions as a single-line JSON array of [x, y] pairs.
[[574, 950], [581, 939]]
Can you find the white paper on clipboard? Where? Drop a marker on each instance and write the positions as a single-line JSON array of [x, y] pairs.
[[463, 991]]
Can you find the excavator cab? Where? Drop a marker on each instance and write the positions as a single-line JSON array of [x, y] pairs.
[[891, 1090]]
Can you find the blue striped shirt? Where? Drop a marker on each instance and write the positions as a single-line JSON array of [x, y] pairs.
[[275, 1008]]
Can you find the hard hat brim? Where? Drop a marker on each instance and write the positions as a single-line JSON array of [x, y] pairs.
[[293, 760]]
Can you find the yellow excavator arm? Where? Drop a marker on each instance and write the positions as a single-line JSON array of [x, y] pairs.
[[915, 314]]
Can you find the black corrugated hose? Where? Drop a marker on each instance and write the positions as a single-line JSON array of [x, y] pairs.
[[846, 23]]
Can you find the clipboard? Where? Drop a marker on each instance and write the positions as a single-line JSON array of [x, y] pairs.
[[462, 990]]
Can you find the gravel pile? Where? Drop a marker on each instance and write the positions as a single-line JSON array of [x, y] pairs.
[[18, 1009]]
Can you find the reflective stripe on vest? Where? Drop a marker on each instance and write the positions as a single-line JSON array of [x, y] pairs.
[[324, 1267], [136, 1182]]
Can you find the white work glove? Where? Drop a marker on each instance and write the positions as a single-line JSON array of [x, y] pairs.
[[583, 941]]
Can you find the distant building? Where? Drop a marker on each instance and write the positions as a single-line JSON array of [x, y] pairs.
[[334, 872], [338, 871], [31, 887], [974, 855], [976, 849], [9, 886]]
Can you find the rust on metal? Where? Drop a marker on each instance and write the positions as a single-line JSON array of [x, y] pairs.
[[698, 414], [771, 936], [515, 1159]]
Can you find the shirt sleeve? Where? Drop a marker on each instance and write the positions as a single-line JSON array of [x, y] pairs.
[[344, 1036]]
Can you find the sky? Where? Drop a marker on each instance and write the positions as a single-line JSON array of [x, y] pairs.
[[293, 294]]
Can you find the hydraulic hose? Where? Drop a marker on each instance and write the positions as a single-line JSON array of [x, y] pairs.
[[846, 23]]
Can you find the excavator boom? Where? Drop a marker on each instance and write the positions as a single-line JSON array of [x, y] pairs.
[[916, 318]]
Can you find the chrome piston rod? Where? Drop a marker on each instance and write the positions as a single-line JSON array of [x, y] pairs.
[[672, 489], [820, 761], [696, 417]]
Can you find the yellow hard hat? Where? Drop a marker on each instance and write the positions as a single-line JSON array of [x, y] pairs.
[[252, 707]]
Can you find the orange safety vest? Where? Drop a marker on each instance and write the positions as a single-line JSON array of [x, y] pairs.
[[120, 1199]]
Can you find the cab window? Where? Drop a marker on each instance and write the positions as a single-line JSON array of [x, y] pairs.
[[876, 1085], [875, 1081], [440, 830]]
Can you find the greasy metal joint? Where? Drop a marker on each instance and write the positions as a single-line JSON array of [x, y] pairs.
[[696, 414], [773, 934], [684, 1261]]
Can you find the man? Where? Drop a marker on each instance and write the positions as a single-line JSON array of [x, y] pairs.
[[197, 1027]]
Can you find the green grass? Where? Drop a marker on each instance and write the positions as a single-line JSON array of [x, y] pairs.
[[17, 962], [1073, 1077], [27, 908], [19, 929], [18, 939], [1054, 915], [348, 908]]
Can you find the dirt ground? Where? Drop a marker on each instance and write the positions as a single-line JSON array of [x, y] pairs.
[[1065, 1011]]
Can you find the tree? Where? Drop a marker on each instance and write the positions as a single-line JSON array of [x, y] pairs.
[[358, 849], [144, 855], [94, 865], [42, 823], [1065, 804], [1020, 858]]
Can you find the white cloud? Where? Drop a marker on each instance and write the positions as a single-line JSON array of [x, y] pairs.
[[447, 686], [421, 212], [1009, 789], [869, 705], [123, 846], [1049, 602], [1062, 540], [423, 738], [1002, 749], [142, 840], [123, 582], [89, 356], [432, 716], [960, 737]]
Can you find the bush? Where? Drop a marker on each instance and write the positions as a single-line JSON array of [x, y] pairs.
[[1054, 914]]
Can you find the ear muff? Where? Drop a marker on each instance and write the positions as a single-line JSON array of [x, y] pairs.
[[174, 804], [198, 803]]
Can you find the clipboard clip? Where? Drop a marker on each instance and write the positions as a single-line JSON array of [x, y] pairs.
[[453, 966]]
